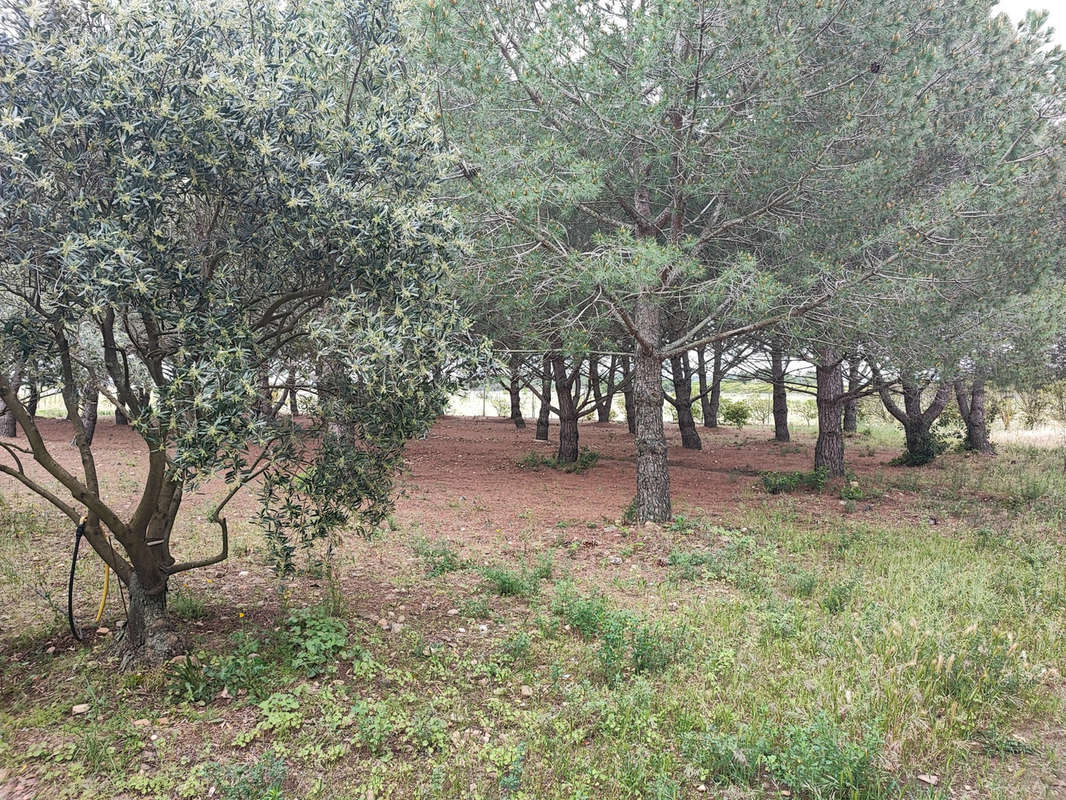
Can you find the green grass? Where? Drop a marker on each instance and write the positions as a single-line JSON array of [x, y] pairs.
[[830, 656]]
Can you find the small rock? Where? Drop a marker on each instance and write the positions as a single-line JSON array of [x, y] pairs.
[[103, 629], [80, 708], [140, 723], [383, 624], [526, 691], [51, 650], [614, 560], [931, 780], [396, 627], [701, 788], [452, 612]]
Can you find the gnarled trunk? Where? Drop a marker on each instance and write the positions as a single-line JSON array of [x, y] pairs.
[[568, 432], [972, 408], [682, 378], [149, 633], [603, 391], [653, 477], [780, 394], [829, 449], [917, 424], [851, 405], [545, 400]]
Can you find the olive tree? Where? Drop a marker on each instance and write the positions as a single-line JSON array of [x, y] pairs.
[[188, 193]]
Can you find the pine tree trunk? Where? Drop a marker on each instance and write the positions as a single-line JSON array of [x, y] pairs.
[[851, 405], [121, 418], [829, 449], [8, 425], [89, 408], [780, 394], [627, 397], [701, 376], [545, 401], [653, 477], [568, 433], [682, 378], [972, 408], [516, 396], [714, 399]]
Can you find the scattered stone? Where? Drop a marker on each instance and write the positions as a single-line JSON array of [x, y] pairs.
[[615, 560], [80, 708], [103, 629], [929, 780], [396, 627], [383, 624], [527, 691], [51, 650], [140, 723], [452, 612], [701, 788], [242, 573]]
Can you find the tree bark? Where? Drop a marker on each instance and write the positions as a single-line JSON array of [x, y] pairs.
[[545, 400], [829, 449], [681, 374], [516, 396], [627, 397], [713, 399], [972, 408], [89, 408], [120, 418], [149, 634], [851, 405], [603, 392], [294, 403], [34, 399], [780, 394], [917, 424], [8, 425], [568, 432], [653, 477]]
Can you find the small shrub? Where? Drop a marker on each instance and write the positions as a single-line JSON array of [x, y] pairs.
[[851, 491], [736, 413]]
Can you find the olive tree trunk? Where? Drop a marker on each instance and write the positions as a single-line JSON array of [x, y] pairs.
[[89, 411]]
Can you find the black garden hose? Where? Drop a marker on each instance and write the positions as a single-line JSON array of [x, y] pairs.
[[78, 533]]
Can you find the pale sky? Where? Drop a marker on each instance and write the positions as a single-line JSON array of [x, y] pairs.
[[1016, 9]]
